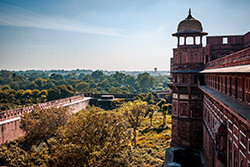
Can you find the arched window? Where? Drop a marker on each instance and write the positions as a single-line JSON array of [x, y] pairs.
[[189, 40], [197, 40], [182, 40]]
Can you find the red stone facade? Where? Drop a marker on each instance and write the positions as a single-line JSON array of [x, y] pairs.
[[226, 101], [211, 96]]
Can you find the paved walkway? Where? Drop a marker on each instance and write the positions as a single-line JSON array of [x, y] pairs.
[[242, 110]]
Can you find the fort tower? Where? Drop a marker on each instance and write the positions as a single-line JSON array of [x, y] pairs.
[[188, 61]]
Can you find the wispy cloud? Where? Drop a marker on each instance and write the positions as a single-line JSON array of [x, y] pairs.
[[19, 17], [40, 46], [148, 35]]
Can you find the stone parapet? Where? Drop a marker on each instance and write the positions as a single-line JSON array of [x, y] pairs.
[[238, 58], [5, 115], [10, 120]]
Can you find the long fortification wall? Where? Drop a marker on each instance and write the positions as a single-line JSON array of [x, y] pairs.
[[9, 120]]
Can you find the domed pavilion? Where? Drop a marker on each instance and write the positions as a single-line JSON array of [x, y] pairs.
[[190, 27]]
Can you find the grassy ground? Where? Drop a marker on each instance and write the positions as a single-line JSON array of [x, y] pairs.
[[153, 140]]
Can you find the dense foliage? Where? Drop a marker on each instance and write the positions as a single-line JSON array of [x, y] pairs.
[[26, 88], [41, 124], [91, 137]]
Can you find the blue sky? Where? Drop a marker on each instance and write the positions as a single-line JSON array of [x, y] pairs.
[[106, 34]]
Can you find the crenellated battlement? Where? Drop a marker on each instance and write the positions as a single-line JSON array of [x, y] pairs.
[[5, 115]]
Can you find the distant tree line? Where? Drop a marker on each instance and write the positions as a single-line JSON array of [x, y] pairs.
[[26, 88]]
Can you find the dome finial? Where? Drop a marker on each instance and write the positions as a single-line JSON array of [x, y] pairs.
[[189, 14]]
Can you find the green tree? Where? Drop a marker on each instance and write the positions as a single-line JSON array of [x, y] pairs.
[[165, 109], [148, 97], [54, 93], [27, 96], [56, 76], [81, 75], [61, 91], [134, 112], [35, 96], [160, 104], [117, 90], [71, 75], [97, 74], [93, 137], [12, 155], [43, 96], [5, 87], [33, 76], [129, 80], [119, 77], [117, 103], [151, 111], [19, 96], [48, 84], [41, 124], [40, 82], [14, 85], [5, 74], [145, 83]]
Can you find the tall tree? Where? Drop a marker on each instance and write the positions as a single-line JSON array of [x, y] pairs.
[[82, 87], [165, 110], [145, 83], [93, 137], [61, 91], [119, 77], [151, 111], [41, 124], [56, 76], [97, 74], [160, 104], [134, 112]]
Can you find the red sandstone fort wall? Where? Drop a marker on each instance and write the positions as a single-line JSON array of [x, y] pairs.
[[239, 58], [235, 143], [6, 115], [236, 86], [246, 39], [226, 103], [9, 120], [10, 131], [221, 46]]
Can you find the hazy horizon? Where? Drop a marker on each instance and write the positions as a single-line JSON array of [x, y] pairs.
[[113, 35], [88, 70]]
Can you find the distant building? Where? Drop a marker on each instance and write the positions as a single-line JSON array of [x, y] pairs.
[[211, 98]]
